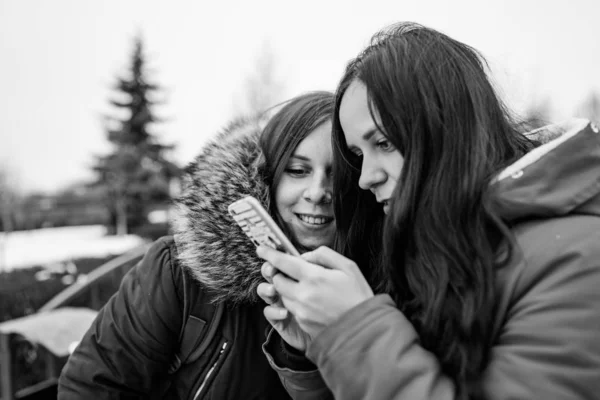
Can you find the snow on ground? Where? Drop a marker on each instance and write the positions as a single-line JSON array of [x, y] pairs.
[[51, 245]]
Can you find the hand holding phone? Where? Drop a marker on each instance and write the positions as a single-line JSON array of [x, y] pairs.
[[258, 225]]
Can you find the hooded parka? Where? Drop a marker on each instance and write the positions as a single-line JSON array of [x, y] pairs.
[[128, 350]]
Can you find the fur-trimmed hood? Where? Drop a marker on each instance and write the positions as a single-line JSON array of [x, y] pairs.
[[210, 244]]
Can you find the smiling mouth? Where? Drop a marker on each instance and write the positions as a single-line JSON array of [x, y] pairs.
[[312, 220]]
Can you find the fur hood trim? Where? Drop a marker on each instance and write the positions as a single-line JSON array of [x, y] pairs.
[[210, 244]]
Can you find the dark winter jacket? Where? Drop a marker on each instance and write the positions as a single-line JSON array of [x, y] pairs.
[[127, 352], [546, 331]]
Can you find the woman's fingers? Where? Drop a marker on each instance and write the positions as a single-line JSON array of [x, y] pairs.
[[293, 266], [328, 258], [268, 272], [275, 314], [267, 292], [285, 286]]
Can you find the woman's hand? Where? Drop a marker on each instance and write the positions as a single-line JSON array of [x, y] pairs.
[[317, 287], [277, 315]]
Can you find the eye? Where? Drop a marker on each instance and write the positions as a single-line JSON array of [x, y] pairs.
[[296, 172], [385, 145], [356, 153], [354, 158]]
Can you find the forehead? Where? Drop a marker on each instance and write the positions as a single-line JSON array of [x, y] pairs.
[[317, 142], [355, 116]]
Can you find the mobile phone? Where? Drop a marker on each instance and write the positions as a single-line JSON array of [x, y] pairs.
[[258, 225]]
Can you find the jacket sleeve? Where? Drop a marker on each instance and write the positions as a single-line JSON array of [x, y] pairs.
[[547, 345], [373, 352], [132, 340], [300, 383]]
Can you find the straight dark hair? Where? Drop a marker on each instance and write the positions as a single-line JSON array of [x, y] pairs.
[[292, 123], [441, 240]]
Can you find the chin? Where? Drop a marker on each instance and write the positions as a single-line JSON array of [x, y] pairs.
[[309, 245]]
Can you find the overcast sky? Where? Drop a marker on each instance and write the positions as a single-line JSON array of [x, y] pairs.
[[59, 59]]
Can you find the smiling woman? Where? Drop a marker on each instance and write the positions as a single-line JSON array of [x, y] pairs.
[[148, 338], [303, 196]]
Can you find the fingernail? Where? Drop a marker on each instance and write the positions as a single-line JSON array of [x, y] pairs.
[[259, 251], [268, 270], [283, 312]]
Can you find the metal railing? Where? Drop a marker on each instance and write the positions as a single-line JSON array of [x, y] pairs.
[[115, 269]]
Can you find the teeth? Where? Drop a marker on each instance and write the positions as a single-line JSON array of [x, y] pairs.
[[313, 220]]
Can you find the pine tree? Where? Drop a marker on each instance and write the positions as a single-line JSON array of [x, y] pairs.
[[136, 174]]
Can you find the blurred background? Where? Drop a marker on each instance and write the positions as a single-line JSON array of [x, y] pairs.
[[102, 104]]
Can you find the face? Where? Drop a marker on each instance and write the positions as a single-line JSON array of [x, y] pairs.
[[303, 196], [381, 162]]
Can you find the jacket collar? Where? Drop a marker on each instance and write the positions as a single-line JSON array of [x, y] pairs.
[[560, 177]]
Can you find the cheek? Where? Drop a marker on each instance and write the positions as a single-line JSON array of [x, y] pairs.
[[285, 197], [393, 165], [280, 200]]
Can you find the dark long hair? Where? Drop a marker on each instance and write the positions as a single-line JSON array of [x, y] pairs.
[[441, 239], [290, 125]]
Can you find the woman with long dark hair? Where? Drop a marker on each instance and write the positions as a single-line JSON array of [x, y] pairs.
[[468, 261]]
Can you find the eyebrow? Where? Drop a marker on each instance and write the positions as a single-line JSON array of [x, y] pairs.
[[369, 134], [366, 137], [299, 157]]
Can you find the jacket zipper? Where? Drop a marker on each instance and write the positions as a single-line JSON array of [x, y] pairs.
[[210, 371]]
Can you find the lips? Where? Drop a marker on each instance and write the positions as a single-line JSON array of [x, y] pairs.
[[316, 220]]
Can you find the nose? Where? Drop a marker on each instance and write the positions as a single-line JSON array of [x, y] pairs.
[[319, 190], [371, 175]]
